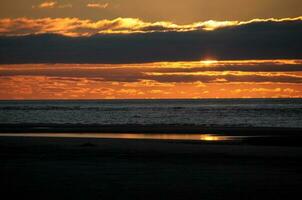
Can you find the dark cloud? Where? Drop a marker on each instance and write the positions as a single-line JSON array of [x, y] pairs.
[[242, 68], [226, 78], [256, 40], [136, 74]]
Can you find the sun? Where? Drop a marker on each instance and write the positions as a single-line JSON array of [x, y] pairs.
[[209, 62]]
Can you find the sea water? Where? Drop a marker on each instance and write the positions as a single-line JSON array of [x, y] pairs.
[[205, 112]]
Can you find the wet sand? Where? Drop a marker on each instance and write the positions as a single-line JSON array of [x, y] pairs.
[[88, 168], [155, 128]]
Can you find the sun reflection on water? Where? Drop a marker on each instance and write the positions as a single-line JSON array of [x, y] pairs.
[[213, 138], [196, 137]]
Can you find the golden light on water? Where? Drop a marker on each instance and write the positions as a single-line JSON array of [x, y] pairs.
[[196, 137], [211, 138]]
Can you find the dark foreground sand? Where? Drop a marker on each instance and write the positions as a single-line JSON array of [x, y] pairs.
[[58, 168]]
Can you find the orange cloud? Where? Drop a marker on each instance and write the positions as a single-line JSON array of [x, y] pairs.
[[47, 4], [51, 4], [79, 27], [97, 5], [43, 87]]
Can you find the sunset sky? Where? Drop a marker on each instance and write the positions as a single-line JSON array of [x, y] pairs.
[[84, 49]]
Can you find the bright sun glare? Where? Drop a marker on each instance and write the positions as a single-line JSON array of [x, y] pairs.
[[209, 62], [209, 138]]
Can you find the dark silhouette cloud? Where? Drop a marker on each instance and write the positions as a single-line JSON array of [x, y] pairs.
[[136, 73], [242, 68], [255, 40], [254, 78]]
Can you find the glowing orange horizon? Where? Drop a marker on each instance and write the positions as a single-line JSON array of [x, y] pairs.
[[163, 80]]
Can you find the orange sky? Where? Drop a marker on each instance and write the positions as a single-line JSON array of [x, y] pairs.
[[118, 31], [176, 11], [205, 79]]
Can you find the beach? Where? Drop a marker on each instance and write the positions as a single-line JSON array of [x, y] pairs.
[[94, 168], [151, 149]]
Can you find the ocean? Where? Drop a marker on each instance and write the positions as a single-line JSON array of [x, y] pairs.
[[204, 112]]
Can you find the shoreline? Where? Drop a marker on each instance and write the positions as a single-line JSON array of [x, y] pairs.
[[265, 136], [160, 147], [260, 136], [137, 128]]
